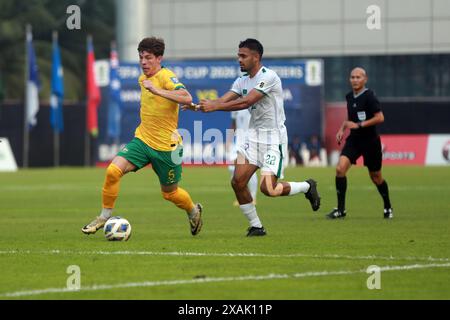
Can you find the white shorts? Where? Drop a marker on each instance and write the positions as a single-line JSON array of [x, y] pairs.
[[270, 158], [234, 148]]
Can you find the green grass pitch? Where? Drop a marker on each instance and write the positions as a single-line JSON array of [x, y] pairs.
[[304, 256]]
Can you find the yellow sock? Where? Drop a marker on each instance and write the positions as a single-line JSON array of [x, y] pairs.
[[181, 199], [111, 185]]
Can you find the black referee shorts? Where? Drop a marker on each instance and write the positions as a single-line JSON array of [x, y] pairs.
[[370, 149]]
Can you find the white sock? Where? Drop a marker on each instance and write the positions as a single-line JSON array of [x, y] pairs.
[[249, 210], [231, 170], [106, 213], [253, 185], [297, 187], [193, 212]]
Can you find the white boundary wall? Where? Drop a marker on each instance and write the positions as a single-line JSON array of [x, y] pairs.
[[286, 28]]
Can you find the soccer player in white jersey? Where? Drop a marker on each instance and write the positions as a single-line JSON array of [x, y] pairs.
[[259, 90], [240, 121]]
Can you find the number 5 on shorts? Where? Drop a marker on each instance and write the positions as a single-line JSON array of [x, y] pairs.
[[171, 175]]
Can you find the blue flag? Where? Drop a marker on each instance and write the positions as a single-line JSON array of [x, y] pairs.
[[33, 84], [115, 104], [57, 90]]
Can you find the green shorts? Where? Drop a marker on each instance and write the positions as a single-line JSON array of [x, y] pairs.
[[166, 164]]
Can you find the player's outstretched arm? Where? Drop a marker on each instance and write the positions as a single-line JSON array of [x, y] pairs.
[[192, 106], [181, 96], [238, 104], [229, 96]]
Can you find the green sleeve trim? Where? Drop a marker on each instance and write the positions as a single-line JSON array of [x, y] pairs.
[[240, 95], [262, 92]]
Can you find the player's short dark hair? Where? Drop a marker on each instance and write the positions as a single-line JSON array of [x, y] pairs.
[[152, 45], [253, 45]]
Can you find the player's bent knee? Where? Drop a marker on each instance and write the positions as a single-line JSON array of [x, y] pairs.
[[263, 190], [266, 192], [377, 180], [168, 195], [233, 184], [237, 184], [270, 192], [113, 173], [340, 171]]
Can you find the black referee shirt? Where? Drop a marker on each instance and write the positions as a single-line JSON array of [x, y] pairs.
[[361, 108]]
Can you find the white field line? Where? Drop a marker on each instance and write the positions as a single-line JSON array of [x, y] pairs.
[[230, 254], [219, 279], [72, 187], [371, 187], [212, 188]]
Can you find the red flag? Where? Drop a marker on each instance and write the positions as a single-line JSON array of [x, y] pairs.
[[92, 91]]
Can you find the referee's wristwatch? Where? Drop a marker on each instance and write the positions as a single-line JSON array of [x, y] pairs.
[[360, 125]]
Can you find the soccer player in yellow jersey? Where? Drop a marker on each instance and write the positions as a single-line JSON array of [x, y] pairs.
[[156, 142]]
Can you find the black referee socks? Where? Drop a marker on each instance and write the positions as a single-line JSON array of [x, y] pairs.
[[384, 191], [341, 188]]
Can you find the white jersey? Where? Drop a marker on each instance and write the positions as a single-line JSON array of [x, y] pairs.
[[267, 115], [242, 120]]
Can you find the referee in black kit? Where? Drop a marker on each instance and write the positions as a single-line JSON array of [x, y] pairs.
[[363, 114]]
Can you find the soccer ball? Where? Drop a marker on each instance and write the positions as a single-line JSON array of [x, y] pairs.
[[117, 229]]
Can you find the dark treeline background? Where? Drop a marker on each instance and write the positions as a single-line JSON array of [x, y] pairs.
[[45, 16]]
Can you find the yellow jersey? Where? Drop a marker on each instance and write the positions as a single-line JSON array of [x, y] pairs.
[[159, 116]]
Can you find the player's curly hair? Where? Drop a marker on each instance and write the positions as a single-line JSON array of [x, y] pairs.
[[152, 45], [253, 45]]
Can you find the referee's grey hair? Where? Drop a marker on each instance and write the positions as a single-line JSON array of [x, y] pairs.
[[360, 68]]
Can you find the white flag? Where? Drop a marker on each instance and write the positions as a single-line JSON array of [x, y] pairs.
[[33, 84]]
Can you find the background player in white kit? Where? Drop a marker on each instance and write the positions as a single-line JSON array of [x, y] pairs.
[[240, 123], [260, 91]]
